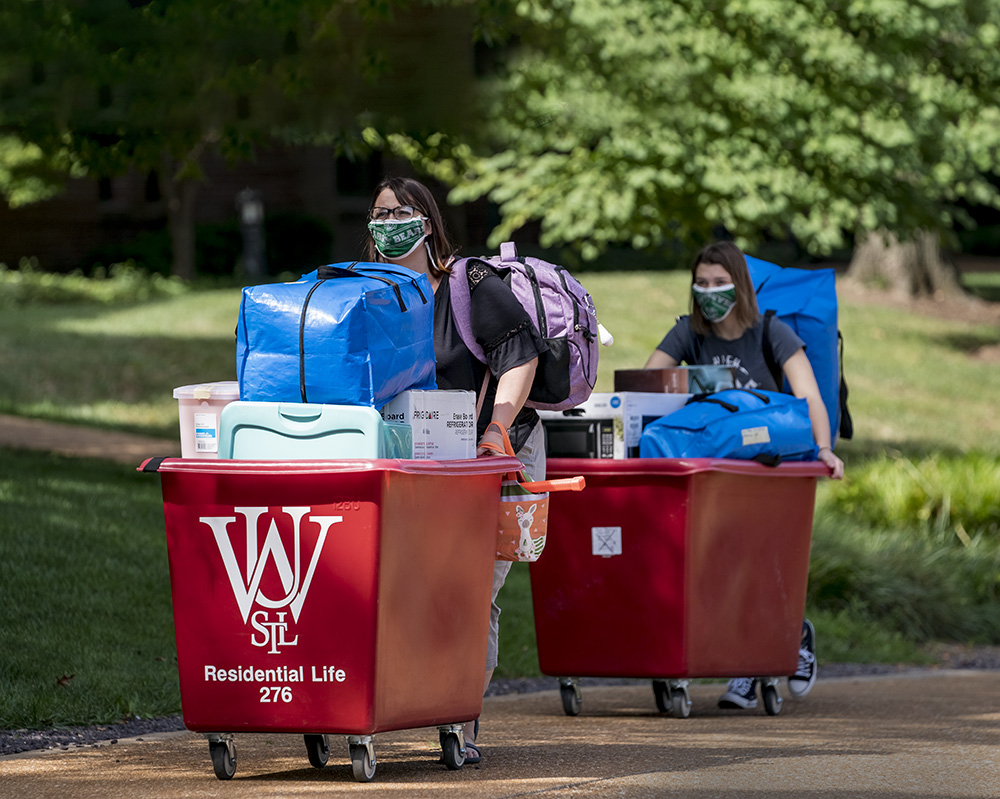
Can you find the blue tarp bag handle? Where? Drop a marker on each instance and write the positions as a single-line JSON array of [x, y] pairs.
[[331, 272]]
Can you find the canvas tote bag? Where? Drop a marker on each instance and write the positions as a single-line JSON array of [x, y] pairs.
[[524, 508]]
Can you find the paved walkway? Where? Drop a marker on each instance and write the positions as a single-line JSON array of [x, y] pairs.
[[920, 735], [79, 441], [923, 734]]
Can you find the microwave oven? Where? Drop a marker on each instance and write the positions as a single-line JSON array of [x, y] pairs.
[[579, 437]]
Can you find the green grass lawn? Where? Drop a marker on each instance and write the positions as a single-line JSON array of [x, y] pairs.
[[903, 551], [87, 630], [914, 380]]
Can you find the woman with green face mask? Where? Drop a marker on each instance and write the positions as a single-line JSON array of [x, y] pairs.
[[405, 227], [726, 328]]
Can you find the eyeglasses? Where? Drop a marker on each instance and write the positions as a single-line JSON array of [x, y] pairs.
[[400, 212]]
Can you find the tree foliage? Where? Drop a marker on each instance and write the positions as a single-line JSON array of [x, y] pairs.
[[642, 121], [27, 175], [113, 85]]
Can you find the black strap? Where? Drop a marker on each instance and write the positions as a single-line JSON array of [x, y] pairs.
[[772, 363], [695, 341], [846, 422], [369, 268], [543, 328], [152, 464], [714, 398], [331, 271], [302, 340]]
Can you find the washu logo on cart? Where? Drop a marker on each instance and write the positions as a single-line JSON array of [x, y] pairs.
[[266, 614]]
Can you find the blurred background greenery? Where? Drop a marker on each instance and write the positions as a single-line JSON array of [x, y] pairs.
[[615, 136], [133, 129]]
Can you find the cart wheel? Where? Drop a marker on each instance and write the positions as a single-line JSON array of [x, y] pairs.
[[772, 700], [661, 691], [571, 698], [362, 762], [680, 704], [223, 758], [318, 747], [454, 756]]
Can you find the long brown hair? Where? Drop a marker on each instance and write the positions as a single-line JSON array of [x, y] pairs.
[[729, 257], [412, 192]]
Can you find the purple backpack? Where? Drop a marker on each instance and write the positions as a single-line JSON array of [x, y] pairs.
[[563, 313]]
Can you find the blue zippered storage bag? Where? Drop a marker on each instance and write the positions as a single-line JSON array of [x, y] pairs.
[[345, 334], [766, 426]]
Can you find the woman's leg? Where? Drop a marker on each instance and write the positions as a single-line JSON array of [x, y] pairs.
[[532, 455]]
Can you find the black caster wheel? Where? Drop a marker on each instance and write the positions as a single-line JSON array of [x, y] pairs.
[[571, 699], [661, 692], [454, 756], [674, 700], [223, 758], [362, 763], [318, 747], [772, 700], [680, 703]]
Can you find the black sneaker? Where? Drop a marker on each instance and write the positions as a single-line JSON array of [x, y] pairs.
[[801, 683], [741, 695]]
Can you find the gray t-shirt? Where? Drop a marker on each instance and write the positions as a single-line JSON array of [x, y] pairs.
[[746, 353]]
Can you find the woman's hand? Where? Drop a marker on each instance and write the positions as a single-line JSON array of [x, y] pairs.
[[827, 456], [492, 436], [512, 390]]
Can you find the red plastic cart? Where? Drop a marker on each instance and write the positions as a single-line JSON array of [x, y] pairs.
[[330, 597], [673, 569]]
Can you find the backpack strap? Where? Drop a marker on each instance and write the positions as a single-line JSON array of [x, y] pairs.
[[772, 363], [695, 339], [846, 422], [508, 255], [461, 306]]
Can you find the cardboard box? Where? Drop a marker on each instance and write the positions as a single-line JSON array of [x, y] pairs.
[[443, 422], [676, 379], [628, 412]]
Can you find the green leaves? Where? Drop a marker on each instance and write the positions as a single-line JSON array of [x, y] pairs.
[[126, 85], [632, 120], [27, 175]]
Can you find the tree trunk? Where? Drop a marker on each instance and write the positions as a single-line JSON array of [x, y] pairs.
[[912, 268], [181, 190], [180, 219]]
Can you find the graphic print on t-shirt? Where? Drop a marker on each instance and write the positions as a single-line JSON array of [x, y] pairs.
[[741, 377]]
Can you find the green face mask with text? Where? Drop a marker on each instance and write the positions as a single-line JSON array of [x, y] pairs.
[[395, 239], [716, 302]]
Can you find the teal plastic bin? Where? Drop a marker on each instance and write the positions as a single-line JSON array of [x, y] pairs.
[[305, 431]]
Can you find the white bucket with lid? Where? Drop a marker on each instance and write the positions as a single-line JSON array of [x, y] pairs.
[[199, 407]]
